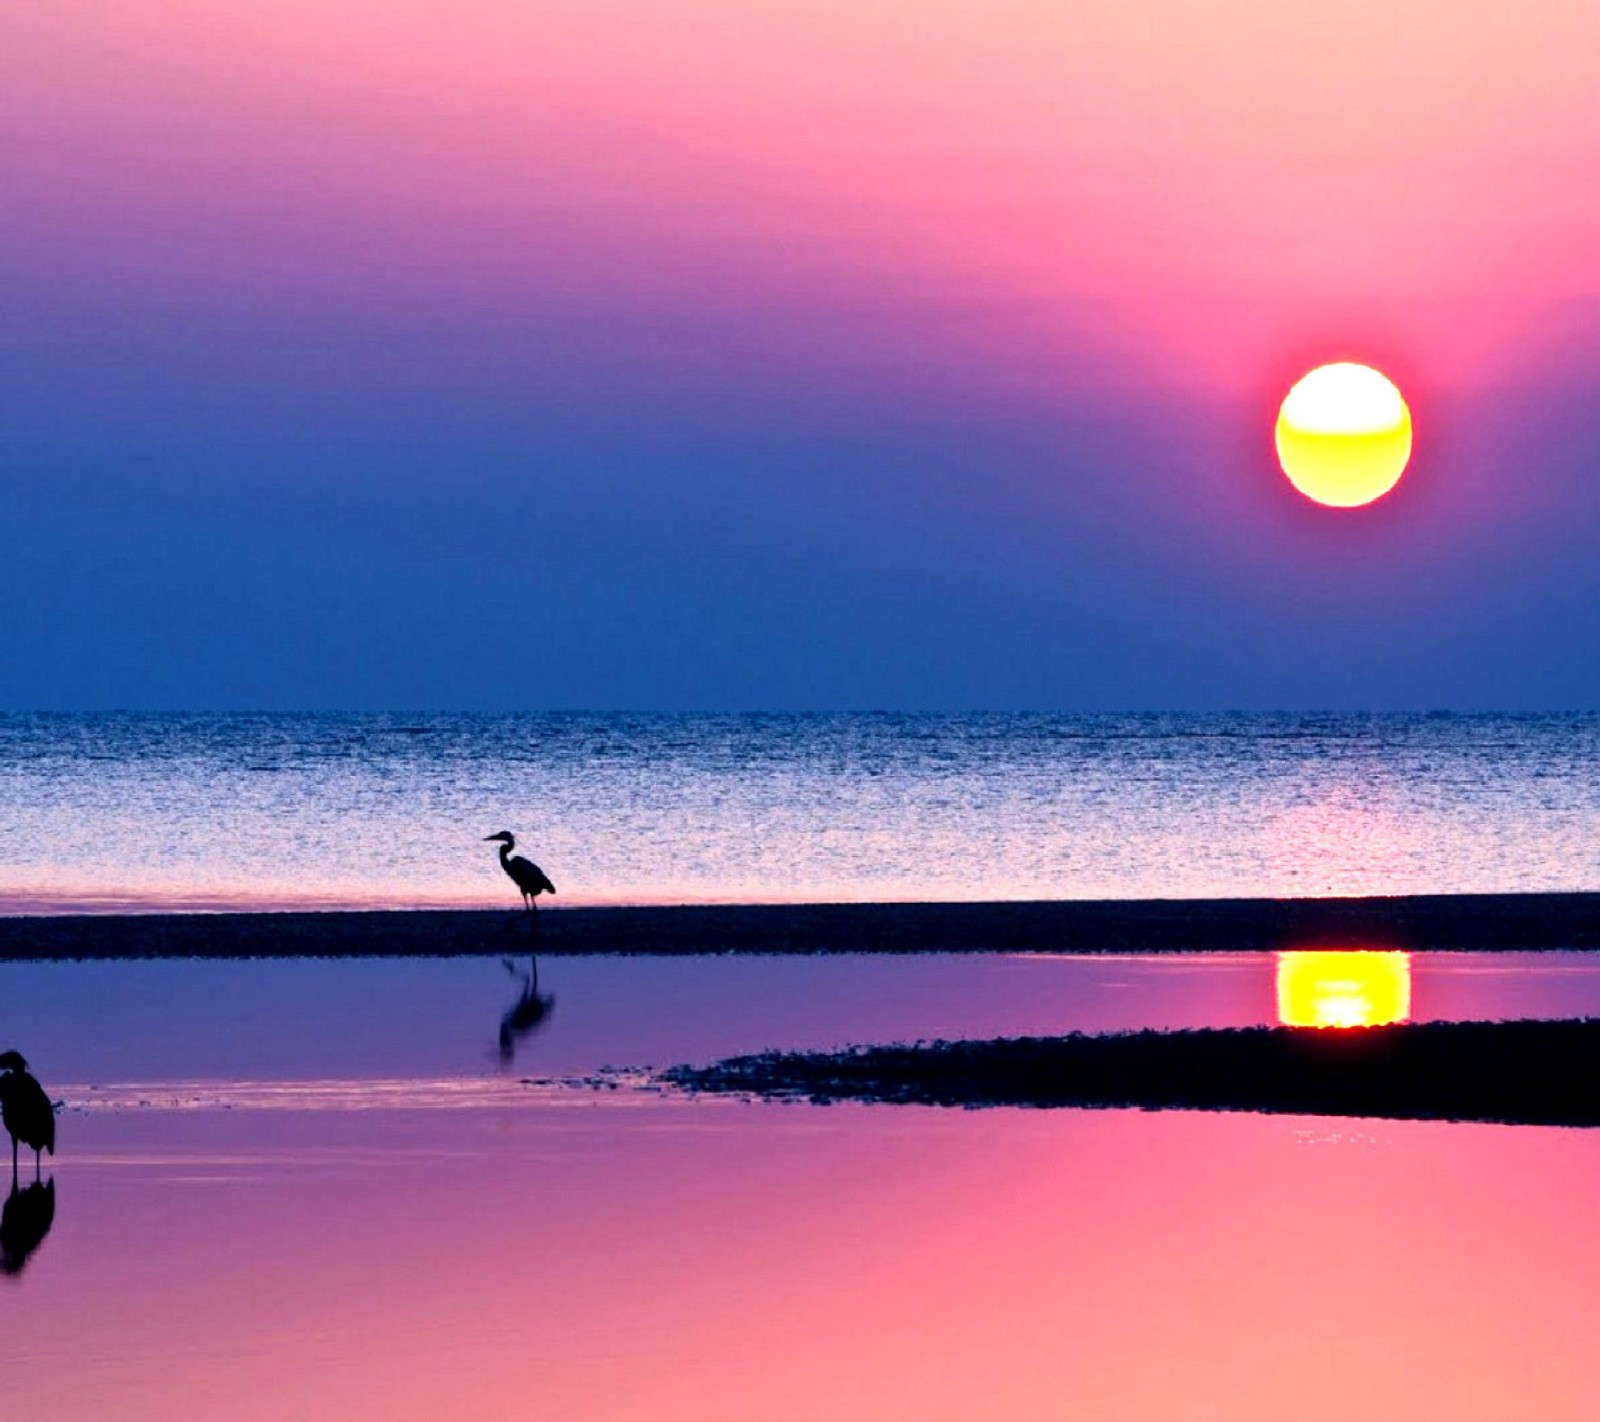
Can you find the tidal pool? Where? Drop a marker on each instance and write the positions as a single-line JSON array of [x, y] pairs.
[[324, 1189]]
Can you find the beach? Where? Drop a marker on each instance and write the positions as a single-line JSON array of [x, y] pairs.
[[1420, 923]]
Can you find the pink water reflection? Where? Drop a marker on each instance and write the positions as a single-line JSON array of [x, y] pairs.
[[720, 1262]]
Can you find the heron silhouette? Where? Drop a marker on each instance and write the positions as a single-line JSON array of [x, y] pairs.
[[24, 1222], [26, 1111], [529, 878], [527, 1014]]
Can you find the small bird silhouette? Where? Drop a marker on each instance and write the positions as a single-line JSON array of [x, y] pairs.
[[26, 1111], [525, 874]]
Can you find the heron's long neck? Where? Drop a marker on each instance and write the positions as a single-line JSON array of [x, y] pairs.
[[505, 853]]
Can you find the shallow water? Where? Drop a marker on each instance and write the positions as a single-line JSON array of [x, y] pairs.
[[438, 1019], [395, 1251], [142, 812], [793, 1263]]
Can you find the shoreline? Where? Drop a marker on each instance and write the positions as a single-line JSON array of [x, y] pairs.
[[1420, 923], [1512, 1073]]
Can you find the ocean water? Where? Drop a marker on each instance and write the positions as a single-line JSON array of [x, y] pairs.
[[117, 812]]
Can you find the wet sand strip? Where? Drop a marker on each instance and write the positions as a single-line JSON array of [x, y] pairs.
[[1458, 922], [1519, 1073]]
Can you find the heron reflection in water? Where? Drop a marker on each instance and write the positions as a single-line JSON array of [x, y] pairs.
[[26, 1219], [528, 1013]]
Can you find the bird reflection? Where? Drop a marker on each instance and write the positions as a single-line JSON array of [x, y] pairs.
[[28, 1215], [528, 1013]]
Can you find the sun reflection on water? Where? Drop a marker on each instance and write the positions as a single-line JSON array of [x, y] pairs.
[[1358, 988]]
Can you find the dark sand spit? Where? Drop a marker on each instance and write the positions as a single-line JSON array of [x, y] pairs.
[[1518, 1073], [1456, 922]]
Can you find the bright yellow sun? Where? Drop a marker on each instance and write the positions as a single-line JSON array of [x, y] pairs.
[[1344, 435]]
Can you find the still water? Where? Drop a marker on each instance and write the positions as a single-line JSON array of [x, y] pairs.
[[138, 812], [325, 1189]]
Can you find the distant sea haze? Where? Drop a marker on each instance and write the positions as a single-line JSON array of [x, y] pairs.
[[150, 812]]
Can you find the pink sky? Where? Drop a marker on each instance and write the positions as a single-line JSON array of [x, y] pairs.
[[1163, 194]]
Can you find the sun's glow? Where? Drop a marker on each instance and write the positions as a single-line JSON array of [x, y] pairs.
[[1343, 989], [1344, 435]]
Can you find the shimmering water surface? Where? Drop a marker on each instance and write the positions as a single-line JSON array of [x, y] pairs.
[[320, 1189], [149, 811]]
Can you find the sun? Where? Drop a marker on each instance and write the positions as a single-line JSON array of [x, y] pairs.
[[1344, 435]]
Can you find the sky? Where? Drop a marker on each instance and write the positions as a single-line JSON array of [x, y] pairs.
[[696, 354]]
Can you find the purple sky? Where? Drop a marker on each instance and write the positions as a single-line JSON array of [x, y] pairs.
[[751, 356]]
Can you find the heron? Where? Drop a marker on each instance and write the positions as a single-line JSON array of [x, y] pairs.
[[26, 1111], [525, 874]]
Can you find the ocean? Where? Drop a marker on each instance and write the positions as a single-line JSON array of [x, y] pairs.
[[124, 812], [432, 1187]]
